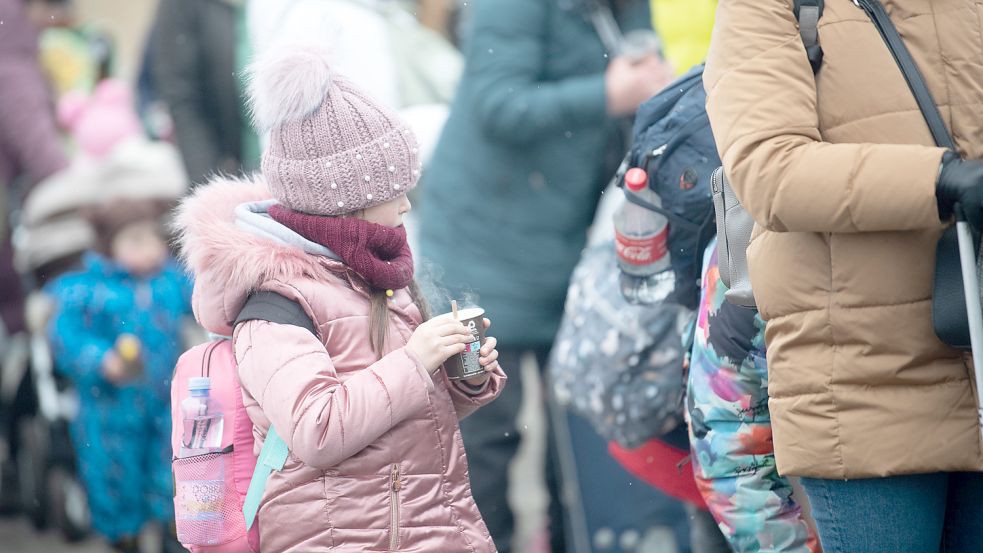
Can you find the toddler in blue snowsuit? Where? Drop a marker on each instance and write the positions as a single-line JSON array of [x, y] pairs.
[[116, 333]]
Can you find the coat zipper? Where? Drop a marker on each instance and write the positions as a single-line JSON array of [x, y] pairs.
[[395, 485]]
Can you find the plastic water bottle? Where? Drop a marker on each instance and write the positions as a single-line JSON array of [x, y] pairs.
[[642, 240], [200, 499], [203, 420]]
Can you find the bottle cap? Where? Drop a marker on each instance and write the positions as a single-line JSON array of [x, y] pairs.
[[636, 179], [199, 383]]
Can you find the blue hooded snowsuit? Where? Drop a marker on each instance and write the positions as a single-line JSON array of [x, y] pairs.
[[122, 433]]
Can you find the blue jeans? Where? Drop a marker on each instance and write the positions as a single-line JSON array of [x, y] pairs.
[[924, 513]]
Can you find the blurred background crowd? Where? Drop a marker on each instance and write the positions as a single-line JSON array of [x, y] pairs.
[[111, 112]]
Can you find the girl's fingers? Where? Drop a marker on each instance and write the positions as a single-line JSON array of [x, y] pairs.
[[487, 323], [448, 321], [453, 327], [445, 323], [452, 340], [443, 320], [489, 359], [455, 336], [489, 346], [491, 368], [454, 343]]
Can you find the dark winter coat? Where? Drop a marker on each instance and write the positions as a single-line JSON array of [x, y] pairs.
[[195, 66], [527, 150]]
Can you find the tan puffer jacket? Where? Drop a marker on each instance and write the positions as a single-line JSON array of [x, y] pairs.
[[839, 172]]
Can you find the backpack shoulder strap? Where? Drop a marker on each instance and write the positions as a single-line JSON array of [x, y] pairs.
[[275, 308], [808, 12]]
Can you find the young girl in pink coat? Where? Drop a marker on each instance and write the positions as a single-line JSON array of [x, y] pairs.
[[371, 419]]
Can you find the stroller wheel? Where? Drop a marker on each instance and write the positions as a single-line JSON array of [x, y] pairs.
[[31, 462], [69, 504]]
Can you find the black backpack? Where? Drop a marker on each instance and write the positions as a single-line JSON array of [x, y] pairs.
[[673, 142]]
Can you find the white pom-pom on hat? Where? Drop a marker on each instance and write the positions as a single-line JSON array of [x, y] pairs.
[[288, 83]]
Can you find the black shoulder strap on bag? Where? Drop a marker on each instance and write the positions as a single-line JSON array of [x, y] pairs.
[[275, 308], [808, 12], [910, 70], [949, 315]]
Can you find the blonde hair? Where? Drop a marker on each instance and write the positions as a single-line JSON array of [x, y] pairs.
[[379, 315]]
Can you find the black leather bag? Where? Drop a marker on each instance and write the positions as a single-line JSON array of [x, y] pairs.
[[949, 315]]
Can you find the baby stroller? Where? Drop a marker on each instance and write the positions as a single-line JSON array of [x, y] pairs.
[[49, 240], [51, 493]]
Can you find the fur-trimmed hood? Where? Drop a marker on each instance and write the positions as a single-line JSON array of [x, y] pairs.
[[228, 260]]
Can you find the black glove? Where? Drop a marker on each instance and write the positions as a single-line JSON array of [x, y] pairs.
[[961, 182]]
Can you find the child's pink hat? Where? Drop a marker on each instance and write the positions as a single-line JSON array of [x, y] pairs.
[[101, 121], [332, 149]]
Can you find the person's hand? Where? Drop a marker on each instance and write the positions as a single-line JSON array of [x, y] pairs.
[[629, 83], [436, 340], [114, 368], [488, 359], [961, 182]]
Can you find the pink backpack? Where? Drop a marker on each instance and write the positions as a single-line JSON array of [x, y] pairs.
[[217, 495]]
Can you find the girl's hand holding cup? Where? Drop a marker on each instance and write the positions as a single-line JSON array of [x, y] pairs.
[[488, 360], [436, 340]]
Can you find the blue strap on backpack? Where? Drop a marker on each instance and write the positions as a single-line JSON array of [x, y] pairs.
[[271, 458]]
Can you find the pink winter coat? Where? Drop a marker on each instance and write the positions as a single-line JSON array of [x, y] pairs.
[[377, 462]]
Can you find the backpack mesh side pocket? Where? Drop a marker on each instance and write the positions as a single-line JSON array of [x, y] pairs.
[[206, 506]]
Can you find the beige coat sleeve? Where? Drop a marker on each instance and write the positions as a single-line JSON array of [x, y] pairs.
[[762, 103]]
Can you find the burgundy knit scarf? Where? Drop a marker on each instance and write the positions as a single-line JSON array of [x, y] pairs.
[[379, 254]]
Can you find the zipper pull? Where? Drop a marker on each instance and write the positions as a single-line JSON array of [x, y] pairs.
[[395, 478]]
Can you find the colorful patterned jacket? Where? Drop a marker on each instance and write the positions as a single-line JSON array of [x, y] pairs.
[[730, 428]]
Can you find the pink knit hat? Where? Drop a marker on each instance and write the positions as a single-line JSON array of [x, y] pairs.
[[102, 120], [332, 148]]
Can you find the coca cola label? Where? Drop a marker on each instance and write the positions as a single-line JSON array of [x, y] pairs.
[[642, 251]]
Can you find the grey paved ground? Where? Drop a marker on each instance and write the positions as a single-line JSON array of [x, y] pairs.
[[17, 536]]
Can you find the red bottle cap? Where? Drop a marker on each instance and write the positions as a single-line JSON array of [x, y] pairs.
[[636, 179]]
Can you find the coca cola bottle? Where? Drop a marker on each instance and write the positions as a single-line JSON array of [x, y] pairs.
[[641, 237]]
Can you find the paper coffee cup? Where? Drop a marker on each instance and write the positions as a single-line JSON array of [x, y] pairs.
[[465, 365]]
